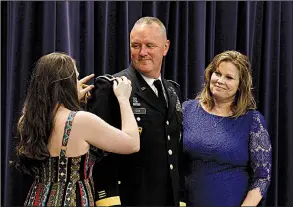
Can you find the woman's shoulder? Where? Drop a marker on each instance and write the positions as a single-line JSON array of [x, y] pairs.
[[257, 118], [84, 122], [255, 114], [77, 119], [85, 116], [190, 102], [186, 105]]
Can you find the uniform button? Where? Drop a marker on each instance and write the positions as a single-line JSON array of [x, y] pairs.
[[167, 122], [169, 137], [171, 167], [138, 118], [119, 182], [170, 152]]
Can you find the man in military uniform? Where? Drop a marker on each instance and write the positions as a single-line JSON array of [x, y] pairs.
[[151, 176]]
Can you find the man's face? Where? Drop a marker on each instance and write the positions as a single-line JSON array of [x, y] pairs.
[[148, 46]]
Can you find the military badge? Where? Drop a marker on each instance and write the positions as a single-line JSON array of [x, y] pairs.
[[172, 90], [135, 102]]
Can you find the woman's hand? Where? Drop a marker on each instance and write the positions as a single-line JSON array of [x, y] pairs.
[[122, 88], [83, 89]]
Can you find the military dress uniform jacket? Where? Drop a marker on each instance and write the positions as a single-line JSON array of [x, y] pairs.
[[151, 176]]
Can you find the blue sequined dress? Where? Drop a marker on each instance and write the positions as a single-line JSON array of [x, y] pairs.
[[226, 157]]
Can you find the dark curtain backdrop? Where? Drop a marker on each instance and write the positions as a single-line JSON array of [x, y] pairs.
[[96, 34]]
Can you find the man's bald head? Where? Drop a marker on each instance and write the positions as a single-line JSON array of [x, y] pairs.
[[148, 21]]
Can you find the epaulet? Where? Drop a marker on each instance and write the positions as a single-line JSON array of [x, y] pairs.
[[174, 83], [107, 77]]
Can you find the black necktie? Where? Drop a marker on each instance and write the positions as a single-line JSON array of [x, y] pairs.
[[161, 96]]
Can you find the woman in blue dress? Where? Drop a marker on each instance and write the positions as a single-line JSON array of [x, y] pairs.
[[225, 138]]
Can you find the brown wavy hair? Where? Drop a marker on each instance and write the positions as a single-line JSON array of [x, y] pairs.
[[244, 99], [53, 83]]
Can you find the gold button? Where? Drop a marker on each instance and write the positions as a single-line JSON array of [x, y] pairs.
[[170, 152], [171, 167], [119, 182]]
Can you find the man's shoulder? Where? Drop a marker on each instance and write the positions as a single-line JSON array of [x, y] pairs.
[[106, 80], [174, 84], [110, 78], [122, 73], [103, 82]]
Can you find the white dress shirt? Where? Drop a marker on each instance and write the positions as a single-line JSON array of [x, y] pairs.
[[150, 82]]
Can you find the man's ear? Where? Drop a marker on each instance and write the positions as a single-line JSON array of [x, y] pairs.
[[166, 47]]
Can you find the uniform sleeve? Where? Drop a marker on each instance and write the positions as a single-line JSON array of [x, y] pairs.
[[104, 104], [260, 151], [182, 162], [106, 181]]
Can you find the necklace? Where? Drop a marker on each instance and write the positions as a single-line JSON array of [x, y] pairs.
[[216, 123]]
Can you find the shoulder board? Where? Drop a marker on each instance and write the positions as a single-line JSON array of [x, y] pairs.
[[107, 77], [174, 83]]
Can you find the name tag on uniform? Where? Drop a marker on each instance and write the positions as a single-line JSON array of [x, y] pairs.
[[139, 110]]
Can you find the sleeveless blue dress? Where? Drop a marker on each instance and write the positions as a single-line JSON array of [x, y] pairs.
[[226, 157]]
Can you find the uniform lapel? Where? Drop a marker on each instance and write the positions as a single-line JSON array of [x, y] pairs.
[[172, 97], [143, 90]]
